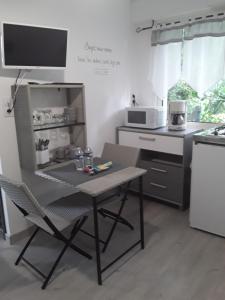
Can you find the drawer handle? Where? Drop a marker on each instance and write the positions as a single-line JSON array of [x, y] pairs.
[[158, 185], [159, 170], [146, 139]]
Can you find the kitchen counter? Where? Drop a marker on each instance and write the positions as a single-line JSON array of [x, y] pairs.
[[166, 155], [207, 137], [191, 129]]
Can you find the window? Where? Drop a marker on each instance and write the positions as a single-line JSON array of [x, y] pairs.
[[188, 63], [182, 91], [209, 108], [213, 104]]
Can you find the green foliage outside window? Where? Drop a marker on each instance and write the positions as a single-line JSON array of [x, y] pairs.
[[210, 108]]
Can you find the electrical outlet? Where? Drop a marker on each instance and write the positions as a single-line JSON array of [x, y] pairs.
[[7, 104]]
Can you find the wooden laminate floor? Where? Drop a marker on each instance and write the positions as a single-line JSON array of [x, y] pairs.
[[178, 263]]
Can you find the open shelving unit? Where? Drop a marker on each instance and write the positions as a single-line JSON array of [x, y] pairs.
[[2, 219], [34, 97]]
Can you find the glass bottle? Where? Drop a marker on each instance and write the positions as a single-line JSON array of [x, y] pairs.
[[79, 159], [88, 157]]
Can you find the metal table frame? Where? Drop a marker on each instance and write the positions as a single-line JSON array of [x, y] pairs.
[[96, 203], [141, 241]]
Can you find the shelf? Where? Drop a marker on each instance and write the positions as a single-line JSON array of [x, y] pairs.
[[56, 125], [53, 163], [56, 86]]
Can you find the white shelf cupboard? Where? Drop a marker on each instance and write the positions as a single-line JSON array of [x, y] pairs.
[[31, 97]]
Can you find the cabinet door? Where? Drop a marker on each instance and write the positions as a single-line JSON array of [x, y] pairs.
[[163, 181], [207, 210]]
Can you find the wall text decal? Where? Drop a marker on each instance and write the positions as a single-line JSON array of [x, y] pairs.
[[101, 58]]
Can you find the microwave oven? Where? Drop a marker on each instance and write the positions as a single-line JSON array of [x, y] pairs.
[[145, 117]]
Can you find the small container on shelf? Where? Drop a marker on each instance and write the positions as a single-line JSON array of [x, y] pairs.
[[38, 117], [60, 153], [42, 151], [42, 157], [58, 118], [69, 114]]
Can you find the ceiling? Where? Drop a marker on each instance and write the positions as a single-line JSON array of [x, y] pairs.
[[144, 10]]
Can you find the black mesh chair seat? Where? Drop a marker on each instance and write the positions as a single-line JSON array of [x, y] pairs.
[[52, 219]]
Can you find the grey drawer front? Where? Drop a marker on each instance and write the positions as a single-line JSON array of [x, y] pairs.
[[157, 189], [162, 180], [165, 174]]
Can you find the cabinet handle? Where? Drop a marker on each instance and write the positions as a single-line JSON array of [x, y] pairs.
[[159, 170], [159, 185], [146, 139]]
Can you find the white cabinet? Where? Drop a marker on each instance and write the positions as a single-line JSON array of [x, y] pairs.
[[166, 156], [208, 188], [160, 143]]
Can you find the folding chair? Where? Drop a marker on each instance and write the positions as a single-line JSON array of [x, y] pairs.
[[53, 220], [127, 157]]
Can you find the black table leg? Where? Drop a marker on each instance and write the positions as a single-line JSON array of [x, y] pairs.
[[141, 212], [97, 247]]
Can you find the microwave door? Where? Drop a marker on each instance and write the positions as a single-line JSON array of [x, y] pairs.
[[137, 118]]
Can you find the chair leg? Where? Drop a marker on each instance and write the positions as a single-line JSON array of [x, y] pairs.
[[26, 246], [114, 226], [80, 251], [77, 228], [109, 214], [117, 216], [97, 248], [54, 267], [68, 244]]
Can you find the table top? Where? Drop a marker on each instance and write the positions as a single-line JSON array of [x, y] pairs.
[[46, 191], [106, 183], [67, 173], [94, 185]]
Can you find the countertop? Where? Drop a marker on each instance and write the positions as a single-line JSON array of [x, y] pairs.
[[191, 129], [206, 137]]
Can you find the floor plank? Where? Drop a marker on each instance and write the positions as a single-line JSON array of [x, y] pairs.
[[178, 263]]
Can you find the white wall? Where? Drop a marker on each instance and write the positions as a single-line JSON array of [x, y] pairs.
[[141, 53], [101, 23]]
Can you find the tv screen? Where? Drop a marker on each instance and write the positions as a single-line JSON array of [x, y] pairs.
[[30, 47]]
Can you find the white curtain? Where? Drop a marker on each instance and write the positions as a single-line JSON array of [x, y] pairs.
[[203, 59], [165, 68], [203, 62]]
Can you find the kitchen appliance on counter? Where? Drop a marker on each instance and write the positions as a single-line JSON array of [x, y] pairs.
[[207, 209], [177, 115], [214, 135], [145, 117]]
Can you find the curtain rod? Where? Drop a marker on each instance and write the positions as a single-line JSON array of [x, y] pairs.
[[139, 29], [179, 22]]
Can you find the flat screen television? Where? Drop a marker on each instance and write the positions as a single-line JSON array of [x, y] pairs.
[[32, 47]]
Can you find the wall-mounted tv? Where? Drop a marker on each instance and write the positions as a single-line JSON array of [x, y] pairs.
[[32, 47]]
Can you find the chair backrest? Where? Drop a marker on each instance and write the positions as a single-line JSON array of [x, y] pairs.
[[21, 196], [126, 156]]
